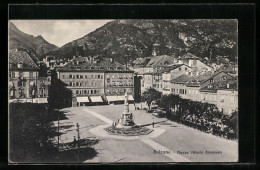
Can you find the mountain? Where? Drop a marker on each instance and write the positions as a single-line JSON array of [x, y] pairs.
[[130, 39], [35, 46]]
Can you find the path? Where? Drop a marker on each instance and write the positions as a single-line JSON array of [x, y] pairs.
[[156, 146]]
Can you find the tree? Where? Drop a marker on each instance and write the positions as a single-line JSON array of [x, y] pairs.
[[151, 95]]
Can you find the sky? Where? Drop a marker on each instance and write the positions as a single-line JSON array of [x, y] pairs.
[[59, 32]]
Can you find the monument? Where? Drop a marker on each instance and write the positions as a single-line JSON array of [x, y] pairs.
[[125, 125], [126, 118]]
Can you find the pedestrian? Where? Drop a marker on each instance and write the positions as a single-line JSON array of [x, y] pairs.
[[74, 141]]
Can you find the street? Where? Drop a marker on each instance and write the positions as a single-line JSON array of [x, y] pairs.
[[169, 142]]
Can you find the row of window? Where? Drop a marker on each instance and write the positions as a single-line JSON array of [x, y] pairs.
[[119, 84], [119, 76], [179, 91], [82, 76], [86, 84], [79, 92], [21, 74], [71, 76], [118, 91], [32, 93]]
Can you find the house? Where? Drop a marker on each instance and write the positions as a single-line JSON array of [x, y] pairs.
[[24, 81], [194, 62], [174, 71], [223, 93]]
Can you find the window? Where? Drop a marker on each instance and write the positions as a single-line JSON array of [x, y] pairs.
[[180, 69], [86, 76], [98, 76], [81, 76], [21, 92], [73, 76], [20, 74], [77, 83], [12, 74], [30, 74], [70, 76], [63, 76], [77, 76], [77, 92]]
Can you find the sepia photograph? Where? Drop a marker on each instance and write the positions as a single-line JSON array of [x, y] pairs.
[[123, 91]]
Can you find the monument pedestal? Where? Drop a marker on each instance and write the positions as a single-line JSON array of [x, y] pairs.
[[126, 125]]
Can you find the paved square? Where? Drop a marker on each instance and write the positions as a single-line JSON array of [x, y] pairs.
[[176, 143]]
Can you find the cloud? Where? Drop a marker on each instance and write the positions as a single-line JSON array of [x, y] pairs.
[[59, 32]]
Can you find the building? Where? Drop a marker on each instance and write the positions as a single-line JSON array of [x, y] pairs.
[[174, 72], [52, 62], [221, 92], [150, 70], [194, 62], [219, 89], [95, 80], [24, 81], [152, 80]]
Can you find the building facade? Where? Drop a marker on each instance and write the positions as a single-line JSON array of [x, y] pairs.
[[92, 80], [24, 81]]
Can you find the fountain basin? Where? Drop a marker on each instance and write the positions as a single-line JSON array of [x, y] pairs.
[[128, 130]]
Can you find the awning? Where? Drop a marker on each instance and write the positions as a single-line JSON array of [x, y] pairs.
[[38, 100], [130, 98], [42, 100], [82, 99], [95, 99]]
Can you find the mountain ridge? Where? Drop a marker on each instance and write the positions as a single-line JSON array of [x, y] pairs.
[[127, 40], [36, 46]]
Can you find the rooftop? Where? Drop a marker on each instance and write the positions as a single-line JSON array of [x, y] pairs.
[[22, 57], [192, 80], [87, 64], [221, 85], [160, 61]]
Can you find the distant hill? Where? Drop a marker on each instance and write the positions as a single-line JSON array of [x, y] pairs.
[[35, 46], [130, 39]]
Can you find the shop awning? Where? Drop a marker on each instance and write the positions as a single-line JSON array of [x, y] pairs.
[[96, 99], [130, 98], [82, 99], [42, 100]]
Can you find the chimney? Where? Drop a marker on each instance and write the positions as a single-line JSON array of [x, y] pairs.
[[227, 85], [77, 62]]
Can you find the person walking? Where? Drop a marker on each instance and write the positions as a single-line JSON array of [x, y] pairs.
[[74, 141]]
